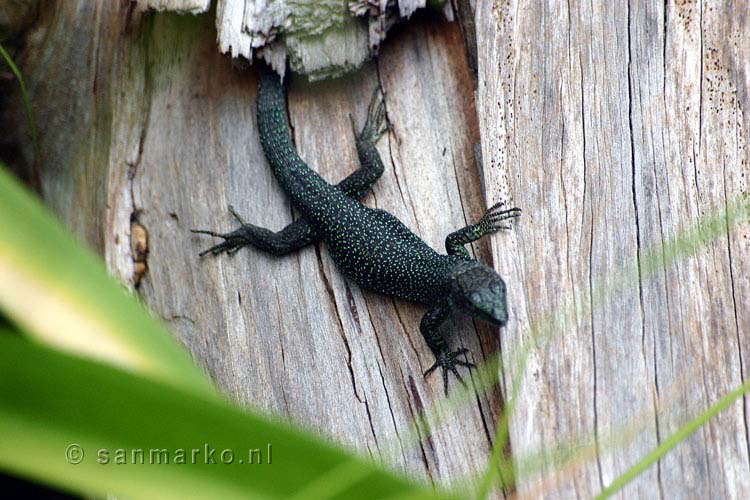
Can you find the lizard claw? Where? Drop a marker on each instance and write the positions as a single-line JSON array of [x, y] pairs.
[[376, 124], [448, 362], [233, 241], [490, 221]]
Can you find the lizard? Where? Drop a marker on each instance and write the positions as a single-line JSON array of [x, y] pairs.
[[370, 246]]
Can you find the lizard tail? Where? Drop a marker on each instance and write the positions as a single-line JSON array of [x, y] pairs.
[[302, 184]]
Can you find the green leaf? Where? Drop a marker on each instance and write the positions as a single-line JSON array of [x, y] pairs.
[[53, 404], [60, 294]]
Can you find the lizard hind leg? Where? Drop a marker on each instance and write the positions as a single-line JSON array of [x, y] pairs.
[[293, 237], [371, 164], [376, 123]]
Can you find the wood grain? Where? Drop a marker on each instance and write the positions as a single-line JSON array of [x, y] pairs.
[[615, 127]]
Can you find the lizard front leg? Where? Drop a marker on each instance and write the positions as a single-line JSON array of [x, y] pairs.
[[444, 358], [489, 223]]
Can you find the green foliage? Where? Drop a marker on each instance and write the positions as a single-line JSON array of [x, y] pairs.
[[124, 384], [60, 294], [678, 437], [689, 241], [60, 409]]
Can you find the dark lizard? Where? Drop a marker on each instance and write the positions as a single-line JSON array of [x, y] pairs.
[[370, 246]]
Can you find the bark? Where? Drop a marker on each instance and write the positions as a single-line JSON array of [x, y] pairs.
[[616, 126]]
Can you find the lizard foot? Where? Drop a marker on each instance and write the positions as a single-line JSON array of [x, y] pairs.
[[376, 124], [490, 221], [447, 361], [233, 241]]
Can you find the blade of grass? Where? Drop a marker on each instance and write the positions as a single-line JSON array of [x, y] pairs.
[[60, 294], [50, 401], [687, 242], [668, 444], [24, 97], [561, 461], [496, 463]]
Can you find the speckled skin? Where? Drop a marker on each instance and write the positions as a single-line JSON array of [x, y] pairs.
[[370, 246]]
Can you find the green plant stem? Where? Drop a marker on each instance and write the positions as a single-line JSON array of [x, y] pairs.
[[24, 96], [667, 445], [688, 241]]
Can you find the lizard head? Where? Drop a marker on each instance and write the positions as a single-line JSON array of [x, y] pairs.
[[479, 291]]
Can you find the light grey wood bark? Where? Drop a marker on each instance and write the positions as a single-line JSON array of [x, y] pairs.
[[615, 126], [148, 131]]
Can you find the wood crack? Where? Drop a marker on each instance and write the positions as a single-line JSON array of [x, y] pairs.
[[406, 332], [342, 330], [405, 196], [590, 271], [734, 308], [138, 231], [427, 433], [593, 353], [393, 417]]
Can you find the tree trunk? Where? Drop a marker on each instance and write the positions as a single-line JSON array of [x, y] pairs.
[[617, 126]]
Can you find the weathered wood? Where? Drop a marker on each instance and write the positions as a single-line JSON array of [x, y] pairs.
[[615, 126], [321, 38], [231, 34], [182, 6], [147, 131]]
